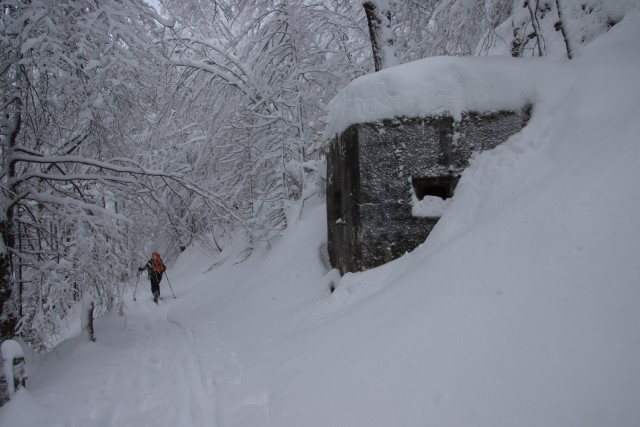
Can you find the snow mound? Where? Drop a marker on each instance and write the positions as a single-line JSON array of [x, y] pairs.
[[438, 86]]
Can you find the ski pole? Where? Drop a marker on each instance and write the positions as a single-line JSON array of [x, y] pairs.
[[169, 282], [136, 289]]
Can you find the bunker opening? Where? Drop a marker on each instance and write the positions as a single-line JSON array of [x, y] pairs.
[[438, 186]]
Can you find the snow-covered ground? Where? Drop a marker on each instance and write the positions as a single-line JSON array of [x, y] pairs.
[[521, 309]]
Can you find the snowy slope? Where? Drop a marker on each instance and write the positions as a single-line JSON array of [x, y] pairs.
[[520, 309]]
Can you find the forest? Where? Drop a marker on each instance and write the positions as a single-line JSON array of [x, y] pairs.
[[131, 126]]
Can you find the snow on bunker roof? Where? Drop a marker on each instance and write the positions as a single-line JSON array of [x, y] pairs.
[[435, 86]]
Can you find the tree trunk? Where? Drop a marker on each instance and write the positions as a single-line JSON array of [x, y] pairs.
[[8, 313], [563, 30], [8, 319], [533, 11], [381, 35], [87, 316], [13, 90]]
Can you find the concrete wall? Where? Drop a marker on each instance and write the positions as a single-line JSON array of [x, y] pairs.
[[343, 185], [369, 180]]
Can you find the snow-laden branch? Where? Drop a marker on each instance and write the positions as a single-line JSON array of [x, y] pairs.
[[73, 177], [137, 170], [74, 203], [145, 9], [226, 55], [216, 71]]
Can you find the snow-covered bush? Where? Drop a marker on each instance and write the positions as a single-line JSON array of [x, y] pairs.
[[14, 373]]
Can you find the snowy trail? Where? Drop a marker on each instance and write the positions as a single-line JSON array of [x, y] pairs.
[[153, 377]]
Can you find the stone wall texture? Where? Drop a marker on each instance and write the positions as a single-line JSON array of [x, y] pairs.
[[370, 170]]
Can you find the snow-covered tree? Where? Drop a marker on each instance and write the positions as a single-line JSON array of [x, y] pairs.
[[77, 81], [257, 76], [551, 27]]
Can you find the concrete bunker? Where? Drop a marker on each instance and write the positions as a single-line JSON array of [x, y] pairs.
[[376, 170]]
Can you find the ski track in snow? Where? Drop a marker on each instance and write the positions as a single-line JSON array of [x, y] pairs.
[[236, 403], [160, 377]]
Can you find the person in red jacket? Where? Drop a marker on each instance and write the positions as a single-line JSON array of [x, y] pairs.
[[155, 267]]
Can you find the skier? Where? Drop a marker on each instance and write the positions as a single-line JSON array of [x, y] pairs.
[[155, 267]]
